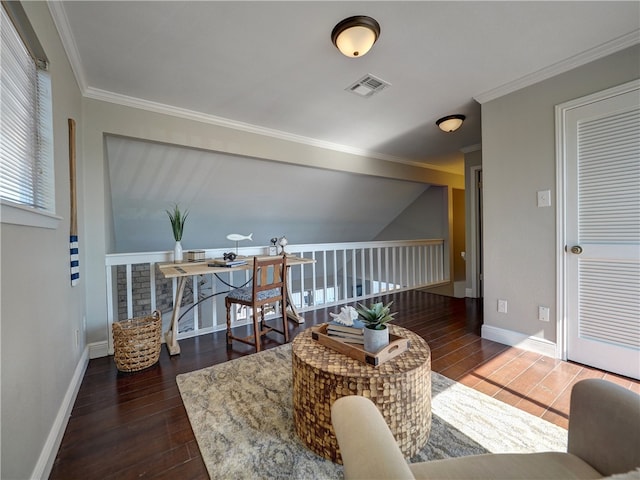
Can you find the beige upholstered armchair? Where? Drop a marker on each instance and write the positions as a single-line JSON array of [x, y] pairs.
[[604, 439]]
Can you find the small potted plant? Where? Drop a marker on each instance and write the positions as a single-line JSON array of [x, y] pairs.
[[177, 219], [375, 318]]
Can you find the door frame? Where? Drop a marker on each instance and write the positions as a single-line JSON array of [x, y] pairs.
[[475, 249], [561, 111]]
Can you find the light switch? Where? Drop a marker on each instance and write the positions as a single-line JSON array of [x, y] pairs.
[[544, 198]]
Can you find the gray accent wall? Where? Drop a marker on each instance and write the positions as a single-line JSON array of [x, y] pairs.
[[426, 217], [236, 194]]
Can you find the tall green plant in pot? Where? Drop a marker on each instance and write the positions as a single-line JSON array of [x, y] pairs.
[[375, 318], [177, 219]]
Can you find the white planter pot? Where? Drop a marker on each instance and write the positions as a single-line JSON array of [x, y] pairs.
[[177, 253], [375, 340]]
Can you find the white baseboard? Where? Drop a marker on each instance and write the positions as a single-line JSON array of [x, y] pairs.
[[98, 349], [516, 339], [468, 292], [54, 439]]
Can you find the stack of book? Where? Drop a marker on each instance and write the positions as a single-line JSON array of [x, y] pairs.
[[195, 256], [352, 334]]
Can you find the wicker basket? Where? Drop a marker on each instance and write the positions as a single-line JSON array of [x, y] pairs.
[[137, 342]]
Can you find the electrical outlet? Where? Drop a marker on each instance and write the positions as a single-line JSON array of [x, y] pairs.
[[543, 313], [502, 306]]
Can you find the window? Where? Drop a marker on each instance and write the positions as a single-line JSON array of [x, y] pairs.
[[26, 128]]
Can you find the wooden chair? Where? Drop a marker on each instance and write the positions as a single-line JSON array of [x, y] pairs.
[[269, 285]]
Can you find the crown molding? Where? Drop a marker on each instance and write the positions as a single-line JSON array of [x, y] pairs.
[[60, 20], [471, 148], [570, 63], [155, 107]]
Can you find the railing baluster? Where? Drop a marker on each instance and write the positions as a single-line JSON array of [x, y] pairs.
[[313, 278], [324, 275], [335, 275], [344, 274], [152, 284], [371, 251], [394, 262], [129, 292], [379, 278], [354, 275], [302, 292], [363, 290], [386, 269]]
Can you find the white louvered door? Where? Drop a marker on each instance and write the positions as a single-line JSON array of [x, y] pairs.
[[603, 234]]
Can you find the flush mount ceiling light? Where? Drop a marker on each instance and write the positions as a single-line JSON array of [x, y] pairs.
[[354, 36], [450, 123]]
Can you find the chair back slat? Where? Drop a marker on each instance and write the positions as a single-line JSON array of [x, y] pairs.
[[269, 273]]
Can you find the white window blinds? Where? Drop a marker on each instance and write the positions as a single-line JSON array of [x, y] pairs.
[[26, 141]]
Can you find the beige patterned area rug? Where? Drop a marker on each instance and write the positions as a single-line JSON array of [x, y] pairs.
[[241, 414]]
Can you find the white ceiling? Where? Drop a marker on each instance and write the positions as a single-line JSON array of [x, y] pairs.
[[271, 66]]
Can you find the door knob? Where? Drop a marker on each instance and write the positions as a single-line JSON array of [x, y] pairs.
[[577, 249]]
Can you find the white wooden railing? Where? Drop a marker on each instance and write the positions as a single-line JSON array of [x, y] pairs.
[[341, 273]]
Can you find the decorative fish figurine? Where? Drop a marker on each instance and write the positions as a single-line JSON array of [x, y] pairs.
[[235, 237]]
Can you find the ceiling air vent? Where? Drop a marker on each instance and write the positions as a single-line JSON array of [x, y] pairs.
[[367, 86]]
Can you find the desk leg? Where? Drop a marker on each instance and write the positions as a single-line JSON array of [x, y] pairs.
[[171, 337], [292, 312]]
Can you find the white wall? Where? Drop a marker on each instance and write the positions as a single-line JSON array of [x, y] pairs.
[[518, 142], [40, 310]]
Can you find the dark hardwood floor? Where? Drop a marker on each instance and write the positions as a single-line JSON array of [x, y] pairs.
[[135, 426]]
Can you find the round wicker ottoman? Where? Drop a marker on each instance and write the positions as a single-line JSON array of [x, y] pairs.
[[400, 388]]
